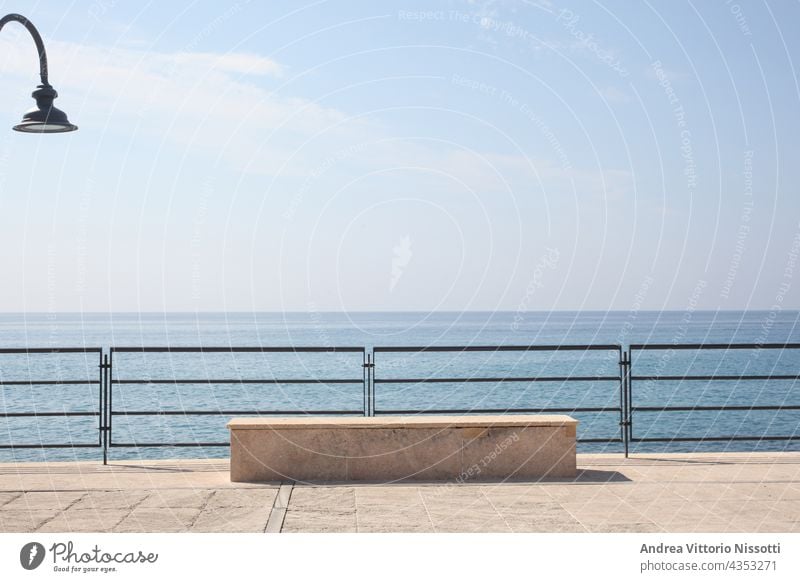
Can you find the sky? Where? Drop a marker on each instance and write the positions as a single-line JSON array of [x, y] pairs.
[[382, 156]]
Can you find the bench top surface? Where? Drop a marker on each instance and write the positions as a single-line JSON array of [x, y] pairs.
[[421, 421]]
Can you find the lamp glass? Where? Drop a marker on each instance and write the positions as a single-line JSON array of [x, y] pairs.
[[40, 127]]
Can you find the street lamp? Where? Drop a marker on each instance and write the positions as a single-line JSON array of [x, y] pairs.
[[44, 118]]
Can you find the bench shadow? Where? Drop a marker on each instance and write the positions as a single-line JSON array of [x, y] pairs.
[[597, 476], [715, 460], [583, 476], [140, 468]]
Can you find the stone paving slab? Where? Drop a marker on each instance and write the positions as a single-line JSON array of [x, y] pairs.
[[319, 521], [338, 499], [232, 519], [102, 500], [248, 498], [177, 498], [84, 521], [172, 520], [32, 500], [88, 476], [756, 492], [394, 521], [23, 520], [5, 497]]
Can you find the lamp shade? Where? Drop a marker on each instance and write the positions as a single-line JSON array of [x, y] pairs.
[[45, 118]]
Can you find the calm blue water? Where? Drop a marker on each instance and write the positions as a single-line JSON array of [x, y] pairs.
[[392, 329]]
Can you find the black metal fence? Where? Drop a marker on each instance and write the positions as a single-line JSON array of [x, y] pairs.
[[630, 387], [710, 400], [16, 365], [592, 372], [118, 379]]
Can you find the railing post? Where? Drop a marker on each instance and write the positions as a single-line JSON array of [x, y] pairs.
[[369, 385], [101, 388], [625, 420], [365, 387], [105, 367]]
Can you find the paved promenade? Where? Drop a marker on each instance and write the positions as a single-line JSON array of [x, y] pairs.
[[756, 492]]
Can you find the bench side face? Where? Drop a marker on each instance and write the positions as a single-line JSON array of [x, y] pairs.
[[383, 454]]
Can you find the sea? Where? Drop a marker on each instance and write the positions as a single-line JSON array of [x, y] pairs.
[[155, 393]]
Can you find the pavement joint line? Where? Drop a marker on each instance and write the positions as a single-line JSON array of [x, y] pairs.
[[427, 512], [19, 494], [499, 486], [355, 505], [202, 509], [277, 514], [121, 489], [61, 511], [494, 507], [131, 510], [573, 516]]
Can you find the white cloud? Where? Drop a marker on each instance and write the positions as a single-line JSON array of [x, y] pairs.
[[616, 95], [210, 102], [196, 99], [242, 63]]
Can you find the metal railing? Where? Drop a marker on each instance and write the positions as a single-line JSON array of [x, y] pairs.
[[633, 408], [615, 380], [208, 382], [31, 382], [627, 388]]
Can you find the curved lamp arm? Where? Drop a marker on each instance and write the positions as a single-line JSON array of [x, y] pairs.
[[37, 38], [44, 118]]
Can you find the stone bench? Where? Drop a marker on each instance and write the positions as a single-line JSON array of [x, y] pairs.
[[392, 448]]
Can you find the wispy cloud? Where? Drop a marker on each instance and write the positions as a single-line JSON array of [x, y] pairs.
[[616, 95], [242, 63], [200, 99], [231, 105]]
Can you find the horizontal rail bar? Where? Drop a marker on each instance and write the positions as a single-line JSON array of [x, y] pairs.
[[50, 350], [227, 412], [139, 445], [498, 379], [511, 348], [737, 346], [706, 408], [53, 446], [721, 377], [34, 414], [49, 382], [230, 349], [243, 381], [496, 410], [715, 439]]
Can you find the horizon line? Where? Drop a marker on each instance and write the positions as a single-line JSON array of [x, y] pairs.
[[401, 311]]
